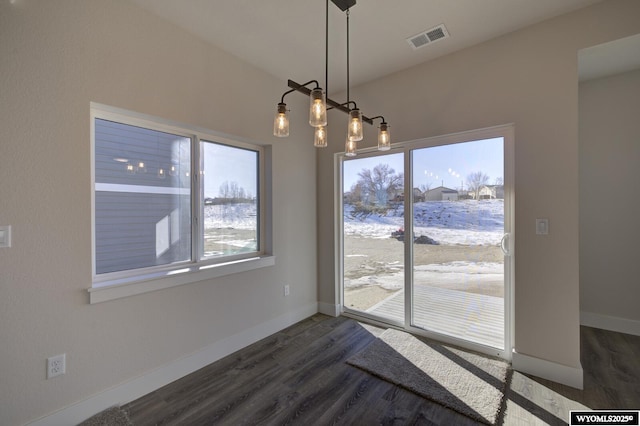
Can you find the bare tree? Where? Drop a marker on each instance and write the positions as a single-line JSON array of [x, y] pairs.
[[225, 191], [232, 192], [382, 182], [355, 194], [425, 187], [475, 181]]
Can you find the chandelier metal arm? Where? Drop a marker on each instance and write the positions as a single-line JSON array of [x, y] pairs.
[[302, 89], [379, 116], [297, 89], [355, 106]]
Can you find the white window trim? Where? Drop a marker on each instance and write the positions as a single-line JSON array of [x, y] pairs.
[[129, 283], [176, 277]]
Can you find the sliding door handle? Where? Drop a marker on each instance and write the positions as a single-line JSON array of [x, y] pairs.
[[504, 242]]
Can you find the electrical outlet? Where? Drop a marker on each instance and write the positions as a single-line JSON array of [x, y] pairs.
[[56, 366], [286, 290]]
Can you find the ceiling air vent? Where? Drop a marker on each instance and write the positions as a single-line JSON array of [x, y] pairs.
[[429, 36]]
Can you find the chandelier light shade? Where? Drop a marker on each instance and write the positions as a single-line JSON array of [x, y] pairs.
[[318, 108], [350, 148], [384, 137], [320, 137], [355, 125], [319, 103], [281, 122]]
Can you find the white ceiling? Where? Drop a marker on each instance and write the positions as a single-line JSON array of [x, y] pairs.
[[286, 38]]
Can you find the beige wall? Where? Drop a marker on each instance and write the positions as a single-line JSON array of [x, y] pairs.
[[610, 195], [528, 78], [55, 58]]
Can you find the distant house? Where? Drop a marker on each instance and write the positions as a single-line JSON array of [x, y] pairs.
[[450, 195], [398, 195], [441, 193], [418, 195], [491, 192]]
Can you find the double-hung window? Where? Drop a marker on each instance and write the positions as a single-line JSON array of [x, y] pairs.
[[171, 204]]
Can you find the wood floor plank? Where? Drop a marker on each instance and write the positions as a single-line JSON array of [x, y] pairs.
[[299, 377], [315, 375]]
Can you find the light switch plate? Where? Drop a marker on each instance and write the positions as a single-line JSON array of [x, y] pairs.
[[5, 236], [542, 226]]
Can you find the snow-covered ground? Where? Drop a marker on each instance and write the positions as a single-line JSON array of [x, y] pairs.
[[231, 216], [230, 224], [466, 222], [461, 223]]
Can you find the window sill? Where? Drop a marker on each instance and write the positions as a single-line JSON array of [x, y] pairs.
[[187, 275]]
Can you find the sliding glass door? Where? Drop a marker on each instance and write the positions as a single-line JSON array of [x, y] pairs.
[[373, 211], [425, 237], [458, 225]]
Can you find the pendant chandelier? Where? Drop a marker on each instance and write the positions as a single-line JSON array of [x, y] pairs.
[[318, 102]]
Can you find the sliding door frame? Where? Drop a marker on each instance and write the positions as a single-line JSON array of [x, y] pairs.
[[507, 132]]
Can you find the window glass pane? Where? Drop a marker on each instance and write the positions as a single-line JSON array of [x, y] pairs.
[[373, 235], [230, 205], [458, 224], [142, 197]]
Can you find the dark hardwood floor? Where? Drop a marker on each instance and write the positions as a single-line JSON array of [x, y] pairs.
[[299, 377]]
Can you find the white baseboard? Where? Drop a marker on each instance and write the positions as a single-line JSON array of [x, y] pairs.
[[140, 386], [570, 376], [605, 322], [329, 309]]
